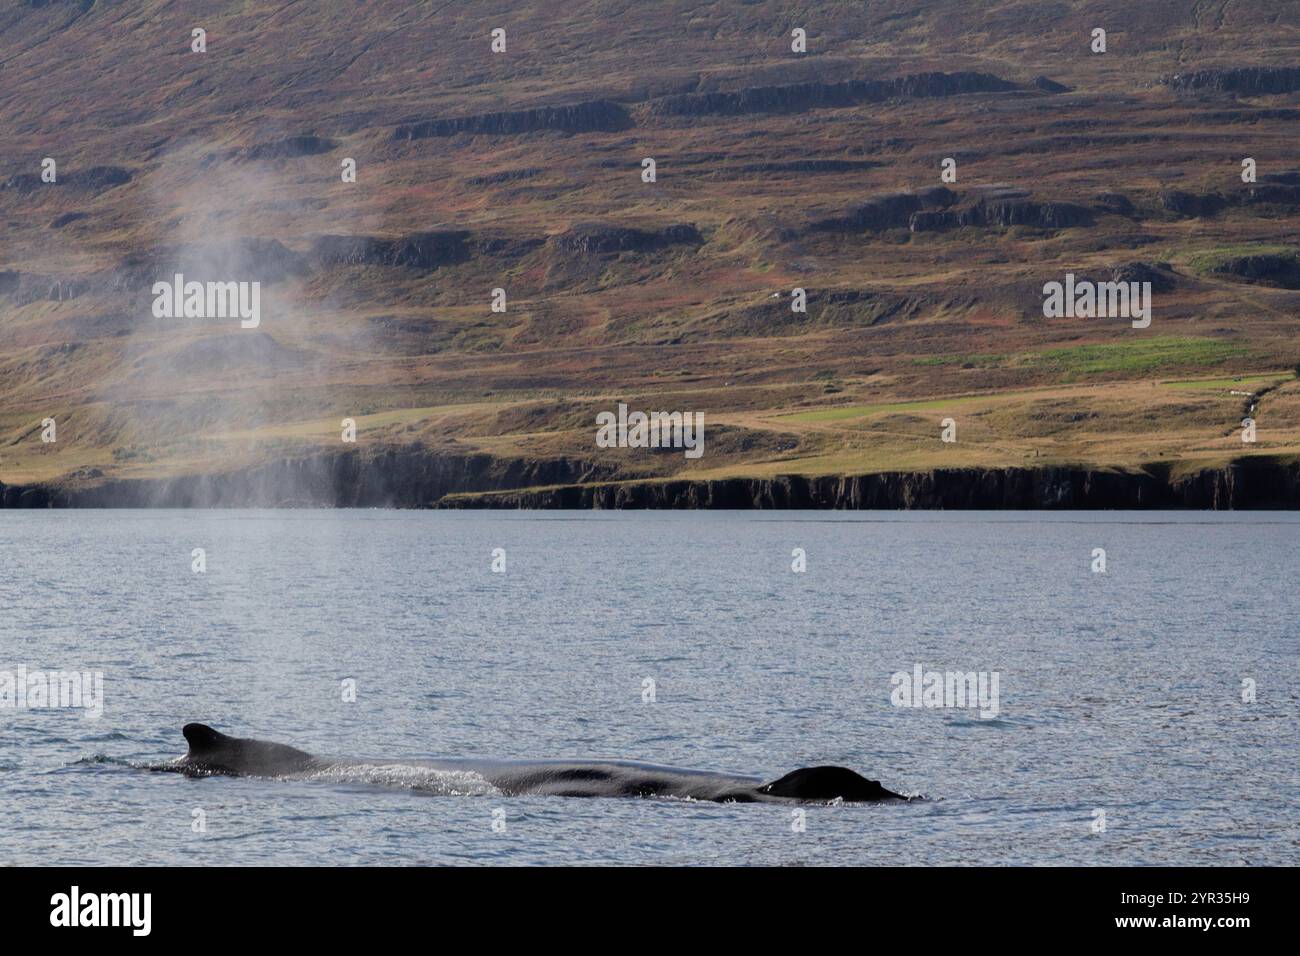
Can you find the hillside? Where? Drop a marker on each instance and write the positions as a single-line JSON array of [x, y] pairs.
[[522, 171]]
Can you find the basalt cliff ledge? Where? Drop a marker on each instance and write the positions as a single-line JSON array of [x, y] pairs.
[[412, 479]]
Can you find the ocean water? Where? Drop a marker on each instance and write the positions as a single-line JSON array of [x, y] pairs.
[[1120, 695]]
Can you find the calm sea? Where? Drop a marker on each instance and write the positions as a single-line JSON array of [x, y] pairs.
[[1145, 715]]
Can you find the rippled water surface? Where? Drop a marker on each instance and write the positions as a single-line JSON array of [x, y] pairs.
[[1118, 692]]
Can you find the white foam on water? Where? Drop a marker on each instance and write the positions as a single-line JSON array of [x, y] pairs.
[[449, 783]]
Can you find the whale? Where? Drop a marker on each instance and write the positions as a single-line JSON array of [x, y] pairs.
[[212, 753]]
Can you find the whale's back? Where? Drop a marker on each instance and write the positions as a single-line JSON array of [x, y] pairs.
[[212, 752]]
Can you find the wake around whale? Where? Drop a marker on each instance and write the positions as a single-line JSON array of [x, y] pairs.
[[211, 752]]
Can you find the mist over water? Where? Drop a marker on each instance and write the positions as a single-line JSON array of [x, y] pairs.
[[1118, 691], [204, 390]]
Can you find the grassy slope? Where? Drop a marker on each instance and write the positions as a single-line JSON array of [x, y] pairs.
[[417, 357]]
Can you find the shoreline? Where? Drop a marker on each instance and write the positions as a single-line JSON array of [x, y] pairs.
[[409, 479]]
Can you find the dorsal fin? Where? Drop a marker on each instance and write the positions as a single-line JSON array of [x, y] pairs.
[[201, 737], [214, 752]]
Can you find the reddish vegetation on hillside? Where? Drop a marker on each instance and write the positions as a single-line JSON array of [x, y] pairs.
[[523, 171]]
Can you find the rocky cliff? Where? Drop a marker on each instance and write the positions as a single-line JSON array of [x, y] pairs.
[[596, 116], [94, 180], [1246, 81], [1244, 484], [797, 97], [411, 478], [425, 250], [593, 238], [399, 478]]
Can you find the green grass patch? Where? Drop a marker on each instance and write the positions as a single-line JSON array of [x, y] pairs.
[[1138, 355], [1226, 384], [1070, 363], [1207, 261]]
